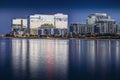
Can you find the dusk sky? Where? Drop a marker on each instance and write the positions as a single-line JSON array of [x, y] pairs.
[[78, 10]]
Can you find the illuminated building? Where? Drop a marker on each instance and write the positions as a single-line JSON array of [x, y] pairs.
[[40, 22], [19, 26], [78, 28], [101, 23]]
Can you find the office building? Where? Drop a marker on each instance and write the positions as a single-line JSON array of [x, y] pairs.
[[101, 23], [39, 23], [19, 26], [77, 28], [90, 28], [107, 26], [61, 21]]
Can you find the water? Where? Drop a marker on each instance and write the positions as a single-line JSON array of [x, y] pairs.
[[54, 59]]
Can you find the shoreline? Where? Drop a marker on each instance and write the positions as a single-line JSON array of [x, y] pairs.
[[63, 38]]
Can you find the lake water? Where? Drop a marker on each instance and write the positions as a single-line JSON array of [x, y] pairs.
[[55, 59]]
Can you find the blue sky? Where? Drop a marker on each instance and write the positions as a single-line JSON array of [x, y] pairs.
[[78, 10]]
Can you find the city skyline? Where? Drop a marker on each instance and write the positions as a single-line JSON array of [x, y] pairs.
[[78, 10], [40, 24], [78, 16], [57, 24]]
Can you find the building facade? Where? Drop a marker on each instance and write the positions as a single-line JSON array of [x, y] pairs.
[[42, 23], [107, 26], [97, 23], [101, 23], [19, 26], [78, 28]]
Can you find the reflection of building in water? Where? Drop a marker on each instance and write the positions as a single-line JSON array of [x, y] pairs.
[[104, 55], [61, 57], [40, 58], [75, 50], [81, 52], [3, 46], [93, 56], [117, 46], [49, 57], [19, 56], [91, 47], [108, 50]]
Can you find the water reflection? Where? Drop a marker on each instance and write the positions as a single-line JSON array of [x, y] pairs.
[[40, 59], [97, 59], [19, 57], [117, 53], [2, 50]]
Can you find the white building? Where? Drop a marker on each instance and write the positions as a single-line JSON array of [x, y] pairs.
[[19, 25], [102, 22], [61, 21], [107, 26], [38, 21], [92, 18]]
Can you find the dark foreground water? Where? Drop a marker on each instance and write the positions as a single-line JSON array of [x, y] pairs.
[[42, 59]]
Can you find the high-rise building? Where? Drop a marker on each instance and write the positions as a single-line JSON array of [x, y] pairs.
[[78, 28], [90, 28], [39, 20], [19, 26], [107, 26], [44, 21], [92, 18], [102, 23], [61, 21]]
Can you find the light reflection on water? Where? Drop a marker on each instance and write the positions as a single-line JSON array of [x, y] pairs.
[[41, 59], [96, 59], [54, 59]]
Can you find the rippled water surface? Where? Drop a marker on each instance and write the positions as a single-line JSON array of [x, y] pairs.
[[55, 59]]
